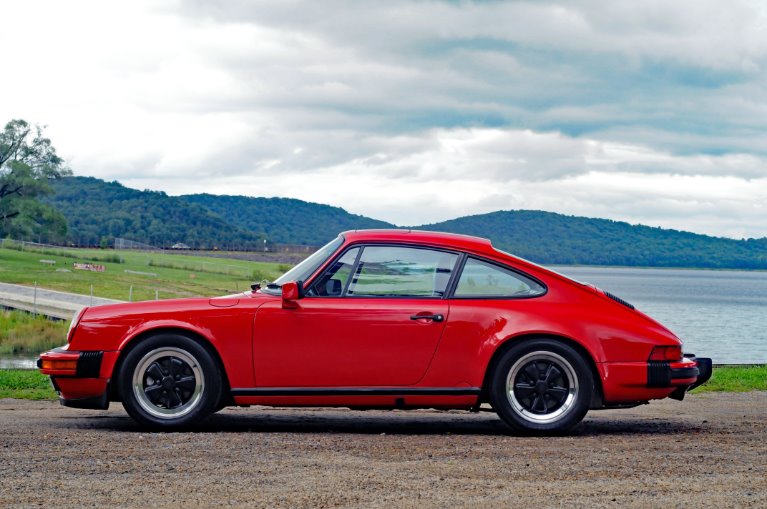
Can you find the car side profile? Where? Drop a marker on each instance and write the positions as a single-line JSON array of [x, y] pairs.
[[380, 319]]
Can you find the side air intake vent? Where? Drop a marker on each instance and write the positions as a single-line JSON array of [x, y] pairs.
[[619, 300]]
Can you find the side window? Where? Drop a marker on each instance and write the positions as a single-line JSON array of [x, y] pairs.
[[333, 281], [402, 272], [482, 279]]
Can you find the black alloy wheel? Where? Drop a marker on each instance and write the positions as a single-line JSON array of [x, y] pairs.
[[169, 381], [541, 385]]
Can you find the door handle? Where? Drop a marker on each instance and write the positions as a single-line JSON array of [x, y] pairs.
[[434, 318]]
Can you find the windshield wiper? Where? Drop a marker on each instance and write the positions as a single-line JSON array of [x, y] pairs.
[[269, 286]]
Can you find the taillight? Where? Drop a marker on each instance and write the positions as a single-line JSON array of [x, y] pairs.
[[666, 353], [73, 324]]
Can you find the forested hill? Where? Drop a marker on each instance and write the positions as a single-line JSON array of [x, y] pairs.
[[98, 211], [545, 237], [285, 220]]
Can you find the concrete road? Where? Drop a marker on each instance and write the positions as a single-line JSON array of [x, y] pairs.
[[61, 305]]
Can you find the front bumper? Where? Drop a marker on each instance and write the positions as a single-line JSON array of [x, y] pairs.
[[685, 375], [63, 362], [76, 377]]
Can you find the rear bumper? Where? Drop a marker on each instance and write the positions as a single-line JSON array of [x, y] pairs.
[[704, 366], [631, 382], [689, 373], [76, 377]]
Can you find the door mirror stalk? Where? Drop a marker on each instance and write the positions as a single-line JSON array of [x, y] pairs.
[[291, 293]]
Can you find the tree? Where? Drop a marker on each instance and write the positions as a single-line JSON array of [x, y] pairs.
[[28, 162]]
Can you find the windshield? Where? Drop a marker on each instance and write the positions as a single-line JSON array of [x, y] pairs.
[[307, 267]]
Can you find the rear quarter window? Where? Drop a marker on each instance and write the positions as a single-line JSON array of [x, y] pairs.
[[484, 279]]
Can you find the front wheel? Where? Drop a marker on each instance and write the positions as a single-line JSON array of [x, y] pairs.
[[541, 386], [169, 381]]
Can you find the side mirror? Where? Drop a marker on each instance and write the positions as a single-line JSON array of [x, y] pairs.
[[291, 292]]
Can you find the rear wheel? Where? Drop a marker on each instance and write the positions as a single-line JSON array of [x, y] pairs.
[[168, 381], [541, 385]]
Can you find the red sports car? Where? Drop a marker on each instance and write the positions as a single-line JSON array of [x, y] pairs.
[[380, 319]]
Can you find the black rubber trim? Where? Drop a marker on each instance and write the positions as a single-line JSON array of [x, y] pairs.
[[677, 373], [661, 374], [89, 365], [705, 366], [95, 403], [658, 374], [355, 391]]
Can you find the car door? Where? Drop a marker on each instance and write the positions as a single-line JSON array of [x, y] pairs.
[[374, 318]]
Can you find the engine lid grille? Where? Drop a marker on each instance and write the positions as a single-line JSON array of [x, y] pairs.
[[619, 300]]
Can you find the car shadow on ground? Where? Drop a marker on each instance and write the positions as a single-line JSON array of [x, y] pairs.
[[390, 423]]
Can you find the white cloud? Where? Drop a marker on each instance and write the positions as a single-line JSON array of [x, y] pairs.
[[651, 112]]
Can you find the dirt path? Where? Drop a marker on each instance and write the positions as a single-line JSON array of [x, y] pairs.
[[708, 451]]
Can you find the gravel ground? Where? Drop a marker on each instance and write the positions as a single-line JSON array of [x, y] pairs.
[[708, 451]]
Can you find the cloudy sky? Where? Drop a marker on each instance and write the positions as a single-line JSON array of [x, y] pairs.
[[651, 112]]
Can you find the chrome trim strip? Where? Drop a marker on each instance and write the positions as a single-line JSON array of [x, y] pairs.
[[357, 391]]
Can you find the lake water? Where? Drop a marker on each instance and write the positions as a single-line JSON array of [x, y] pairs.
[[718, 314]]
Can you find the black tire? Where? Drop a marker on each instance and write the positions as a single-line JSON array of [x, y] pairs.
[[169, 381], [541, 386]]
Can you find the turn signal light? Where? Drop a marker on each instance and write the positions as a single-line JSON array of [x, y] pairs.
[[59, 364], [666, 353]]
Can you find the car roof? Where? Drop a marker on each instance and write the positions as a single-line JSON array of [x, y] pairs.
[[441, 239]]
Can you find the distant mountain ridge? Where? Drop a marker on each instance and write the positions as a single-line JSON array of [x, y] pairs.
[[547, 237], [97, 211], [285, 220]]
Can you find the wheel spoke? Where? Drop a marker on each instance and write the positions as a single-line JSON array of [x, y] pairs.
[[172, 399], [175, 366], [155, 371], [557, 393], [186, 383], [531, 371], [524, 390], [552, 373], [154, 393]]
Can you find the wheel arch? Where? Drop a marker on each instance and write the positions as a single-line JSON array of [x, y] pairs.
[[131, 343], [515, 340]]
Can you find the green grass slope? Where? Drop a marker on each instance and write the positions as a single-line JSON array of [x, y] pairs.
[[149, 273]]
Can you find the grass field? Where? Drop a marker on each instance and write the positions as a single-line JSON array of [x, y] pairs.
[[736, 379], [23, 384], [24, 334], [171, 275]]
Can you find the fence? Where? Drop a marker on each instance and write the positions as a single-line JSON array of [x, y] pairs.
[[127, 244]]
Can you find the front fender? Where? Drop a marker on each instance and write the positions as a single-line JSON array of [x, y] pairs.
[[228, 331]]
